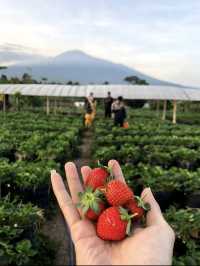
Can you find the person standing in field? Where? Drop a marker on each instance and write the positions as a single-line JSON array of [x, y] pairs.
[[107, 104], [119, 112], [88, 112], [93, 102], [90, 108]]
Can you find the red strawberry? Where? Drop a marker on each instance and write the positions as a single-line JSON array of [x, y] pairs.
[[137, 206], [92, 215], [97, 178], [132, 206], [91, 203], [113, 224], [118, 193]]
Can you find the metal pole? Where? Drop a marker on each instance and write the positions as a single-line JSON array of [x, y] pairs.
[[17, 103], [4, 103], [164, 110], [48, 106], [157, 107], [174, 111], [55, 106]]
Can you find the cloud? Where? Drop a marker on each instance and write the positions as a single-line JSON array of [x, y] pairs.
[[158, 37], [14, 47], [11, 53]]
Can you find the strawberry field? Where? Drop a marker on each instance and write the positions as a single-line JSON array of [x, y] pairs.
[[158, 154], [30, 146]]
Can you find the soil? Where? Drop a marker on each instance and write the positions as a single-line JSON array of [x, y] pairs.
[[56, 228], [85, 151], [193, 200]]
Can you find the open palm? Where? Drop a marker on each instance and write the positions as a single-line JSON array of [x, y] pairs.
[[152, 245]]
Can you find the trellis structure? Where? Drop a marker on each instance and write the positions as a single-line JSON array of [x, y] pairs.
[[132, 92]]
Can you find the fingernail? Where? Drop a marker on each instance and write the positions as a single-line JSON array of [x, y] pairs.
[[146, 191], [149, 190], [53, 172], [69, 165], [112, 164]]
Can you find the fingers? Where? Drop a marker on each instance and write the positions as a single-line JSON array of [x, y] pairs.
[[116, 170], [85, 171], [66, 205], [73, 181], [154, 216]]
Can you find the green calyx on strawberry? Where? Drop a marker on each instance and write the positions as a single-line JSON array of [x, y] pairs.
[[138, 207], [144, 205], [125, 216], [91, 203], [108, 169]]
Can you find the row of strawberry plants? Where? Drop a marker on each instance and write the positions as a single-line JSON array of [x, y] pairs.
[[185, 115], [154, 138], [30, 181], [160, 178], [39, 143], [166, 156], [172, 186], [144, 133]]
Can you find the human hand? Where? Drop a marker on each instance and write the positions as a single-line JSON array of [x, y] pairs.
[[152, 245]]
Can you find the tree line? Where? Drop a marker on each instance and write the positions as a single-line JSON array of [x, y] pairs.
[[27, 79]]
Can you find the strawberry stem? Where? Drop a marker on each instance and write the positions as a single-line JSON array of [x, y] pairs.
[[107, 168], [133, 215], [146, 206], [128, 228]]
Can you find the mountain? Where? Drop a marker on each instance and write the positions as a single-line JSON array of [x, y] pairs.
[[76, 65]]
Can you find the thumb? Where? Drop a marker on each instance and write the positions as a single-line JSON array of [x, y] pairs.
[[154, 216]]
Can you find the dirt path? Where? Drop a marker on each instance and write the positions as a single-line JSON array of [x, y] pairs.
[[85, 148], [56, 228]]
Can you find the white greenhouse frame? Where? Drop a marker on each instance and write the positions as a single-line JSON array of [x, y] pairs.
[[136, 92]]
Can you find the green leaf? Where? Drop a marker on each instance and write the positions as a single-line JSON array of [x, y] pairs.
[[95, 207], [85, 209], [80, 194]]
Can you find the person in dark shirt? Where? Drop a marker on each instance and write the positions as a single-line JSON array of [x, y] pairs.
[[108, 103], [119, 111]]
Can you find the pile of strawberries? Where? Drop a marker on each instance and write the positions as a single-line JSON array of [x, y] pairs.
[[111, 204]]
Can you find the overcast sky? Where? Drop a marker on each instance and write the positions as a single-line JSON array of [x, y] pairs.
[[158, 37]]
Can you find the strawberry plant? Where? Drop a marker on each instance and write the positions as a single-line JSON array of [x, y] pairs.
[[185, 222], [191, 258], [20, 240], [105, 153]]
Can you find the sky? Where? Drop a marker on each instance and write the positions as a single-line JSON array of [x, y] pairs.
[[158, 37]]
